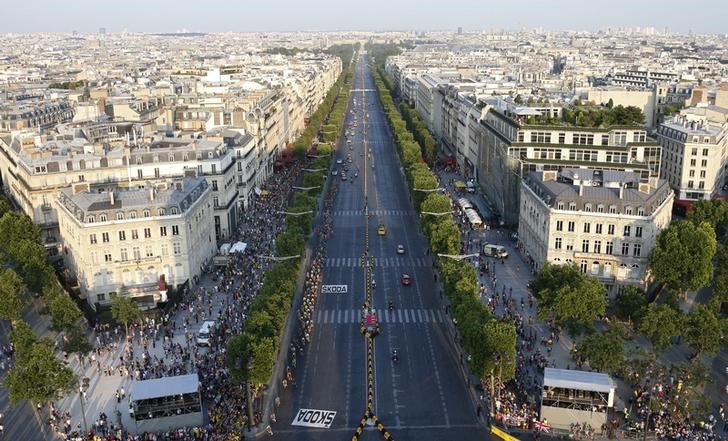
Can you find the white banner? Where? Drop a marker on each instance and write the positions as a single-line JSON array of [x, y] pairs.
[[334, 289], [314, 418]]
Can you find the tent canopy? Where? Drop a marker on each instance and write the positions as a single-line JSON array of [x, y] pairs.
[[579, 380], [464, 203], [165, 387], [473, 217], [239, 247]]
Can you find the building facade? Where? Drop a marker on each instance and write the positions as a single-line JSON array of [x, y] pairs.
[[605, 222], [121, 242]]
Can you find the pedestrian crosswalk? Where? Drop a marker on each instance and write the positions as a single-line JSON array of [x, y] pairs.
[[404, 316], [338, 213], [383, 262]]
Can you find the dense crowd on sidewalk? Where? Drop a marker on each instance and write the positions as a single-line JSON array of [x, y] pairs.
[[226, 300]]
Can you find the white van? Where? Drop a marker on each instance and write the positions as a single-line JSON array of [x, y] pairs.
[[203, 335], [497, 251]]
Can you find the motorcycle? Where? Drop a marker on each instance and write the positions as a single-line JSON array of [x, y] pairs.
[[390, 305], [395, 356]]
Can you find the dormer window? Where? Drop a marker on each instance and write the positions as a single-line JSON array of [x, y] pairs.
[[171, 157], [210, 155], [640, 211], [560, 206], [613, 209], [174, 210], [102, 218], [161, 212], [91, 219], [147, 213], [156, 158], [119, 216], [572, 206], [139, 160], [588, 208], [132, 215], [628, 210], [600, 208]]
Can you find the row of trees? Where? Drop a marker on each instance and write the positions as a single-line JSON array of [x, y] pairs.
[[421, 133], [251, 356], [490, 342], [37, 374]]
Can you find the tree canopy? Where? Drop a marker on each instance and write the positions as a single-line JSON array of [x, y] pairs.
[[714, 212], [704, 330], [124, 310], [659, 324], [682, 256], [604, 351], [12, 295], [572, 298]]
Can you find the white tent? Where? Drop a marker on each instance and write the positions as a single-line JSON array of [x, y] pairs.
[[239, 247], [225, 248], [473, 217], [464, 203]]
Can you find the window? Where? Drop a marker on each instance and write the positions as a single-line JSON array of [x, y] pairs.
[[701, 184], [137, 253], [694, 151], [81, 178], [637, 250], [105, 237], [147, 232], [132, 215], [119, 216], [583, 266], [92, 239], [584, 246], [559, 206], [705, 152], [557, 245], [124, 255], [175, 230], [690, 184], [692, 163], [559, 225], [637, 231], [702, 174], [90, 219], [162, 231], [588, 208], [140, 174], [177, 248], [541, 137], [174, 210], [134, 234], [628, 211], [587, 227], [161, 212], [107, 256], [149, 251], [625, 249], [597, 246], [146, 213], [102, 218], [610, 229], [583, 139], [171, 157], [605, 139], [620, 138], [122, 235], [213, 168], [562, 138], [214, 185], [156, 172], [571, 226], [609, 248], [599, 229], [600, 208], [612, 209], [704, 163], [165, 250], [691, 173], [627, 230], [640, 211], [572, 206], [216, 201]]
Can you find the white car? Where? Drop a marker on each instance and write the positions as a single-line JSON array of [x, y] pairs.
[[334, 172], [339, 161], [400, 249]]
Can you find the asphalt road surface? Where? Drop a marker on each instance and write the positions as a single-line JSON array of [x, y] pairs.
[[424, 395]]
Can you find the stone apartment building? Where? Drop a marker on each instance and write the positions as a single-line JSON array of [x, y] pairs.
[[606, 222], [124, 241]]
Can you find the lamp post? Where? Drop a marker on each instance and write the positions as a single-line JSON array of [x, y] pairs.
[[457, 256], [306, 188], [83, 405], [295, 213], [429, 190], [280, 259], [444, 213]]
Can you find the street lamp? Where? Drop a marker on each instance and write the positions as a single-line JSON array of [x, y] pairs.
[[429, 190], [279, 259], [306, 188], [296, 213], [436, 214], [457, 256], [83, 406], [313, 170]]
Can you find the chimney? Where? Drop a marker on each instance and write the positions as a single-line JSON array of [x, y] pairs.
[[111, 197], [621, 191], [581, 188], [151, 193]]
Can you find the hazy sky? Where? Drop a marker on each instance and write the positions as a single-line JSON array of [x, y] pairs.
[[702, 16]]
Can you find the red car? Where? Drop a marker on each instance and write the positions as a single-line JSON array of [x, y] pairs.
[[406, 279]]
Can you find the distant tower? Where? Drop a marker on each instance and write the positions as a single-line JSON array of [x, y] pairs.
[[102, 31], [460, 30]]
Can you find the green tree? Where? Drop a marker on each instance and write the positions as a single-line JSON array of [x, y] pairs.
[[12, 295], [5, 206], [124, 310], [64, 312], [38, 376], [445, 237], [714, 212], [263, 353], [23, 338], [659, 324], [703, 330], [237, 357], [610, 103], [720, 280], [76, 341], [604, 351], [682, 256], [500, 344], [630, 304], [518, 99], [571, 297]]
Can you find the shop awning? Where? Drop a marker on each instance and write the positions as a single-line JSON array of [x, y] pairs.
[[473, 217]]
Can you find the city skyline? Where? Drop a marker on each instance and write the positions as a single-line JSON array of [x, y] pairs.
[[322, 15]]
